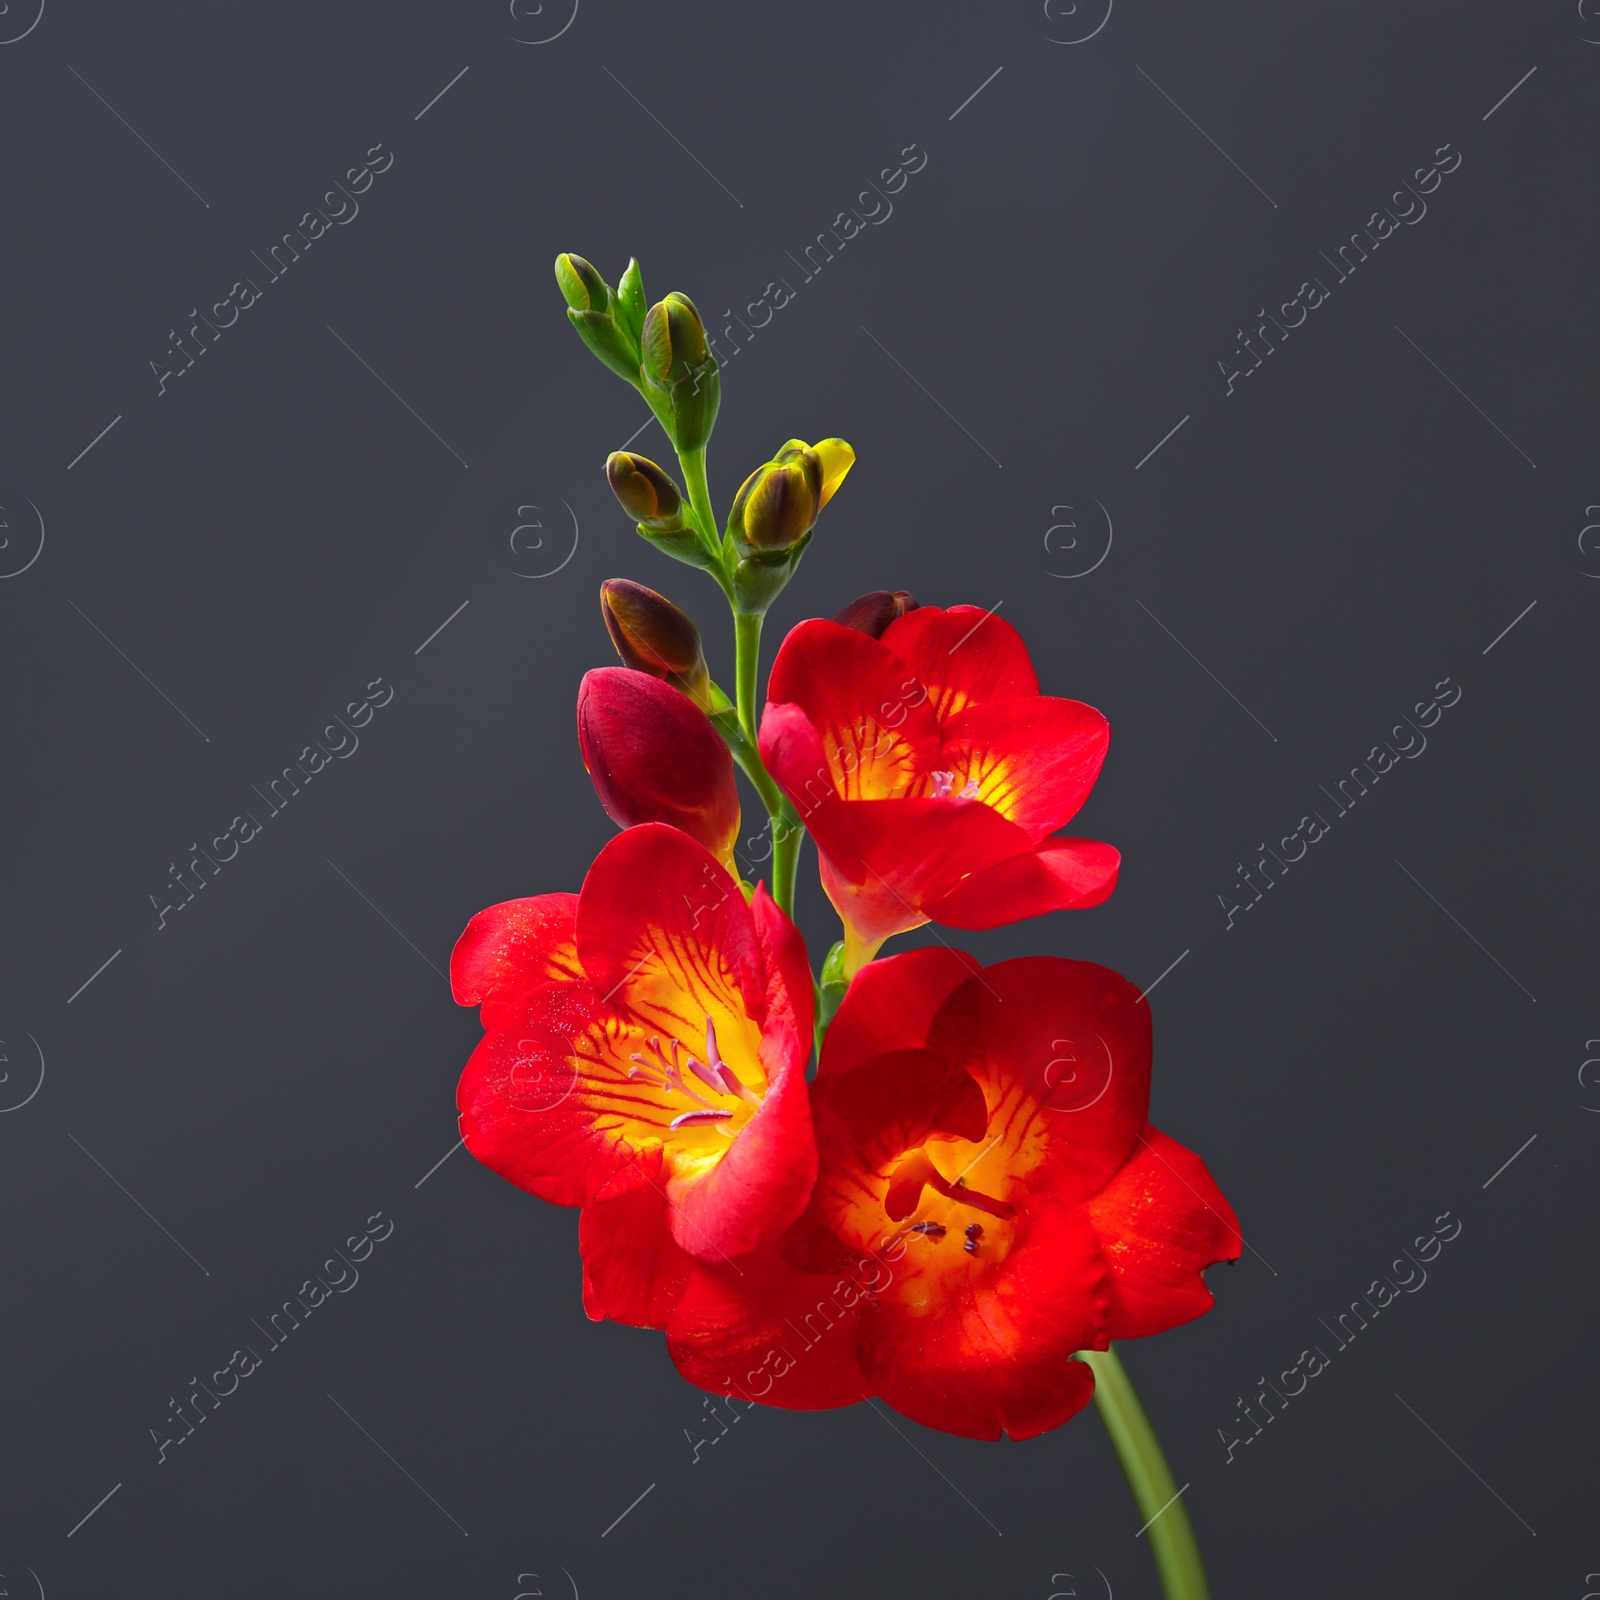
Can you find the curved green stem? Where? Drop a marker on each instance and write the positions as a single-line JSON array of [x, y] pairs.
[[1155, 1492]]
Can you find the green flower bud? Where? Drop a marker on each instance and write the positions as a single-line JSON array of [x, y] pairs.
[[778, 503], [652, 635], [673, 342], [645, 492], [593, 308], [677, 364], [583, 287], [759, 577]]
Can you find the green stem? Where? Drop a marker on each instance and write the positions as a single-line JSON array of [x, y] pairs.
[[787, 835], [1155, 1492], [747, 669], [693, 463]]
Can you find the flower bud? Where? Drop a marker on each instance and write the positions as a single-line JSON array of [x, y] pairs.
[[581, 284], [835, 458], [873, 613], [777, 504], [674, 340], [654, 756], [652, 635], [677, 364], [592, 308], [644, 491]]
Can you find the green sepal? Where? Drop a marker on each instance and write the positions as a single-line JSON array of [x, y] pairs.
[[599, 330], [759, 576], [830, 991], [631, 304], [682, 544]]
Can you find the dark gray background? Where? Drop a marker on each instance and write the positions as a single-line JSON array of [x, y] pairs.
[[278, 529]]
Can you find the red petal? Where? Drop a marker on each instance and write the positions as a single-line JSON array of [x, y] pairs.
[[1161, 1222], [1064, 1043], [523, 1111], [872, 716], [1034, 758], [784, 956], [514, 946], [887, 861], [763, 1331], [664, 931], [998, 1358], [964, 656], [891, 1004], [764, 1180], [654, 756], [633, 1272], [1059, 875]]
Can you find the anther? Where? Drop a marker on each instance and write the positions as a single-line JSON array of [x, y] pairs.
[[691, 1119], [970, 1246], [936, 1230], [943, 785], [974, 1230]]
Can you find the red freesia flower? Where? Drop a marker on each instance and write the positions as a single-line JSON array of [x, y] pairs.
[[990, 1200], [932, 774], [644, 1058], [654, 756]]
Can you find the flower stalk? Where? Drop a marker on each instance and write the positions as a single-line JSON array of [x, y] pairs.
[[1155, 1492]]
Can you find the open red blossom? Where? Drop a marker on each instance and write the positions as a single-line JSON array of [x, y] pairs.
[[932, 774], [644, 1058], [990, 1199]]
